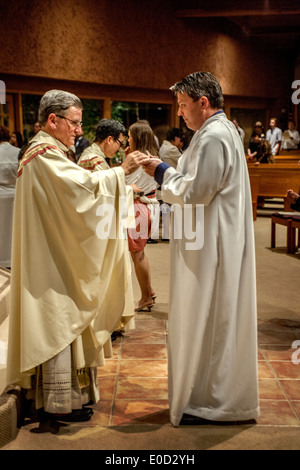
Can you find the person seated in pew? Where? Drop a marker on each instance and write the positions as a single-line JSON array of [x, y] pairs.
[[259, 150], [291, 137], [294, 199]]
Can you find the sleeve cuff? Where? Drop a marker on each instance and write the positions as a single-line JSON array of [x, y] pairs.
[[160, 171]]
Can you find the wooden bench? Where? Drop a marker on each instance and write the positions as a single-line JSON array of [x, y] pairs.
[[290, 159], [288, 156], [287, 222], [276, 179], [291, 220], [295, 225]]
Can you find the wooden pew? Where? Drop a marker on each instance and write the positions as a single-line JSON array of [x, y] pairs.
[[276, 179], [288, 156], [294, 159]]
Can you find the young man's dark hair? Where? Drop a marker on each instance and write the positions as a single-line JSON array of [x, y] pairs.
[[174, 132], [109, 127]]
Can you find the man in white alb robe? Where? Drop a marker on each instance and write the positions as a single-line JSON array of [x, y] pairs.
[[212, 312], [70, 281]]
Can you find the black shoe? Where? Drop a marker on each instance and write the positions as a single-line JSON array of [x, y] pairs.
[[116, 334], [77, 416], [150, 240], [190, 420], [48, 423], [90, 403]]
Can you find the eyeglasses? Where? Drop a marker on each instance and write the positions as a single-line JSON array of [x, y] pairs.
[[73, 123], [120, 142]]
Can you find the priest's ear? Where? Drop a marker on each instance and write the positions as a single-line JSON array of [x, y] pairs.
[[52, 121]]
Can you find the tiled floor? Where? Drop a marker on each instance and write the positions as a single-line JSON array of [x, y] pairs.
[[279, 372], [134, 389], [134, 383]]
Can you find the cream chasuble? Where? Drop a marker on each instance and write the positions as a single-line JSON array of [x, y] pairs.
[[70, 282], [93, 159], [212, 317]]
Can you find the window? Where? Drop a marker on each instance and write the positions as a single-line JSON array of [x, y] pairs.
[[157, 114], [30, 106]]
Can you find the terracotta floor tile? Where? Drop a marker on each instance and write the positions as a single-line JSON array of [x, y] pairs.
[[107, 388], [143, 368], [143, 388], [109, 370], [270, 389], [286, 370], [153, 324], [141, 412], [277, 412], [101, 416], [296, 405], [260, 356], [278, 352], [276, 337], [116, 347], [291, 388], [141, 336], [144, 351], [264, 371]]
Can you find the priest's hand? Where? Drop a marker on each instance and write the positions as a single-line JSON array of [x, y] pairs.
[[132, 162]]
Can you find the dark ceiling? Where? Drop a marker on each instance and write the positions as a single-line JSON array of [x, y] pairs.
[[273, 22]]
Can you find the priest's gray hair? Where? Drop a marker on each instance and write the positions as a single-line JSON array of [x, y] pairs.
[[57, 102], [200, 84]]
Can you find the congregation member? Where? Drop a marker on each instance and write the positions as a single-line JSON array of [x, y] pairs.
[[8, 175], [274, 137], [81, 143], [141, 138], [35, 129], [170, 150], [259, 150], [68, 284], [16, 139], [294, 199], [239, 129], [212, 356], [290, 137]]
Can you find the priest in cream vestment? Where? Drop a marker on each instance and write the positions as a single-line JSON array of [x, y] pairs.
[[212, 311], [70, 281]]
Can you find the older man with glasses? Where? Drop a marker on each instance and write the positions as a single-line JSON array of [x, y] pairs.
[[65, 277]]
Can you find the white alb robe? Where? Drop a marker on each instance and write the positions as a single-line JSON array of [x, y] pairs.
[[212, 318]]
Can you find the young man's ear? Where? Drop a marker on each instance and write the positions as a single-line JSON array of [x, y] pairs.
[[109, 139]]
